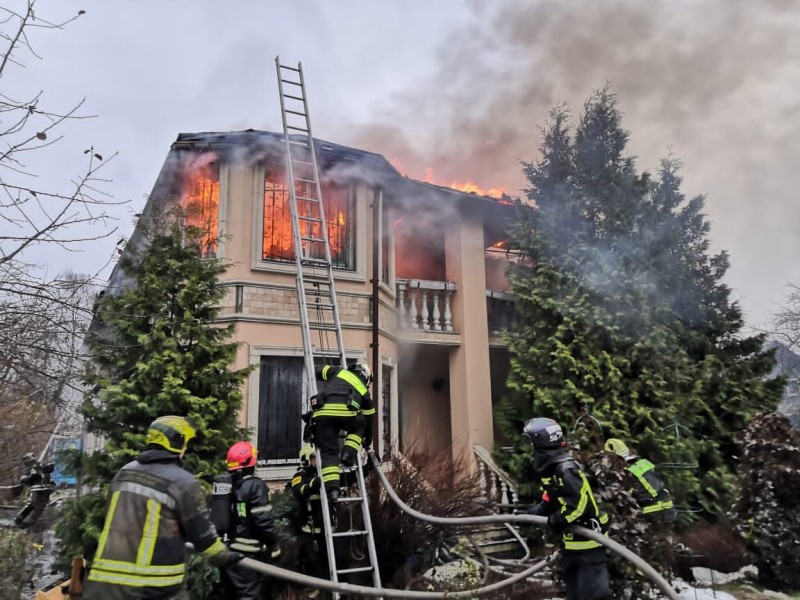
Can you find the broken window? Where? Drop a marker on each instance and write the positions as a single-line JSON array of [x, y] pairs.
[[338, 203], [200, 200]]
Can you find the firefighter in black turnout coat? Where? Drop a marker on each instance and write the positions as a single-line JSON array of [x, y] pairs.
[[155, 508], [305, 486], [251, 529], [651, 493], [568, 500], [345, 405]]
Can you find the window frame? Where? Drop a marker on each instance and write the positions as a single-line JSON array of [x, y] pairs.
[[359, 233]]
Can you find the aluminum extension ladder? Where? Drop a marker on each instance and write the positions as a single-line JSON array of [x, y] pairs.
[[316, 293]]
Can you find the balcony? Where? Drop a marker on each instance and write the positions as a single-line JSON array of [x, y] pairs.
[[425, 305]]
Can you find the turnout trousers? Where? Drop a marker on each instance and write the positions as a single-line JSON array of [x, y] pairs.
[[585, 574], [326, 437]]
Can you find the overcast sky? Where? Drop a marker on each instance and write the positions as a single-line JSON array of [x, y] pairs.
[[456, 88]]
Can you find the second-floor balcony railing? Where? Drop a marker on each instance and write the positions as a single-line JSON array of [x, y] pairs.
[[425, 305]]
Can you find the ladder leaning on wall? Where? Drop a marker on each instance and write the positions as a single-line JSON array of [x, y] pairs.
[[316, 294]]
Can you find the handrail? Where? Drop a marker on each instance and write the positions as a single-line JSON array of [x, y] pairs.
[[485, 457]]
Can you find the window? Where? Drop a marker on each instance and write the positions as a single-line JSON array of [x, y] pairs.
[[386, 406], [281, 387], [200, 199], [338, 203]]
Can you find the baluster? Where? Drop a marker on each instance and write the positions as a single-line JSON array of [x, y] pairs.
[[482, 471], [401, 304], [436, 317], [424, 324], [412, 307], [448, 316], [504, 492]]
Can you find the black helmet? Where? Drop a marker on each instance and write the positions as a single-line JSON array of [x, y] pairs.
[[544, 434]]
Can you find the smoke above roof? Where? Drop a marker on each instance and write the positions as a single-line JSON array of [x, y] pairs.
[[713, 81]]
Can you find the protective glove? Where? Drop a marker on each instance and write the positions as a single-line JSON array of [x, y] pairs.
[[226, 558], [556, 522]]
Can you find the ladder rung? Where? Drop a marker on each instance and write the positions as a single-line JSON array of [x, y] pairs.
[[322, 326], [296, 69], [302, 143], [302, 162], [296, 112], [312, 219], [349, 499], [313, 240], [294, 97], [296, 128], [297, 83], [318, 352], [352, 533], [354, 570], [306, 198], [315, 261], [305, 180]]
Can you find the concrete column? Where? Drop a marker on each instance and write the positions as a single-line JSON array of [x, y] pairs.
[[470, 382]]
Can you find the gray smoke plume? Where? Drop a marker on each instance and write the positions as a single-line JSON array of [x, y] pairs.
[[716, 82]]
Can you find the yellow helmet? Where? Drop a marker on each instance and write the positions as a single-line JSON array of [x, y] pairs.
[[171, 433], [617, 446], [306, 454]]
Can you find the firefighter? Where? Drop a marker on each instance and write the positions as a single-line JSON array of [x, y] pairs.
[[41, 486], [155, 508], [305, 487], [345, 405], [252, 528], [568, 500], [651, 494]]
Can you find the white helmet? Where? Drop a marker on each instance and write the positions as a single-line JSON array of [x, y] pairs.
[[363, 372]]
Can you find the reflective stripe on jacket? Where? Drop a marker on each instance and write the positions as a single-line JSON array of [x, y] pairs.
[[655, 497], [155, 508], [570, 501], [252, 521]]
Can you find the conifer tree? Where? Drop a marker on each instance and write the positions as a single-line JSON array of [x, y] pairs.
[[156, 349], [623, 311]]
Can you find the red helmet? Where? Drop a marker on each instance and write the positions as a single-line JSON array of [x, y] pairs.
[[241, 456]]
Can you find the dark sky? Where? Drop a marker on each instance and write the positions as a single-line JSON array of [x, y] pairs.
[[455, 89]]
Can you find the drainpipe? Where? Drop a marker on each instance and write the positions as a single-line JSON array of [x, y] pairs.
[[377, 205]]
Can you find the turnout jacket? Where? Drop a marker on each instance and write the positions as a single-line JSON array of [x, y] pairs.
[[252, 523], [345, 395], [155, 508], [305, 488], [651, 494], [567, 499]]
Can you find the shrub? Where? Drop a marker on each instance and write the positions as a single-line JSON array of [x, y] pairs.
[[17, 550], [767, 513]]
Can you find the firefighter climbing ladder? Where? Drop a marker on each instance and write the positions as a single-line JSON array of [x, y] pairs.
[[315, 285]]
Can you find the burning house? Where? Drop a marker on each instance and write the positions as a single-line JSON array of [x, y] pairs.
[[420, 281]]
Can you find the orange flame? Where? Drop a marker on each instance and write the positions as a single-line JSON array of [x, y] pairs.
[[470, 187], [200, 200]]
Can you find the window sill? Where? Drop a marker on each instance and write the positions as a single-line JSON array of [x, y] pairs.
[[290, 268]]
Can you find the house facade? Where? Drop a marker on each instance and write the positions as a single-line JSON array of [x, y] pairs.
[[420, 283]]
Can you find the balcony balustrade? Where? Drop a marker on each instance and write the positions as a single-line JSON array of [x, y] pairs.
[[425, 305]]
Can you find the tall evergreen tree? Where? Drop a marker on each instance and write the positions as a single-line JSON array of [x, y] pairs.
[[156, 349], [623, 310]]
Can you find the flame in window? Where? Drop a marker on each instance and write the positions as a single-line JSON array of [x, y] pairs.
[[278, 242], [200, 200]]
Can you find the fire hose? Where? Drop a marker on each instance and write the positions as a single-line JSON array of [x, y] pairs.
[[358, 590]]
